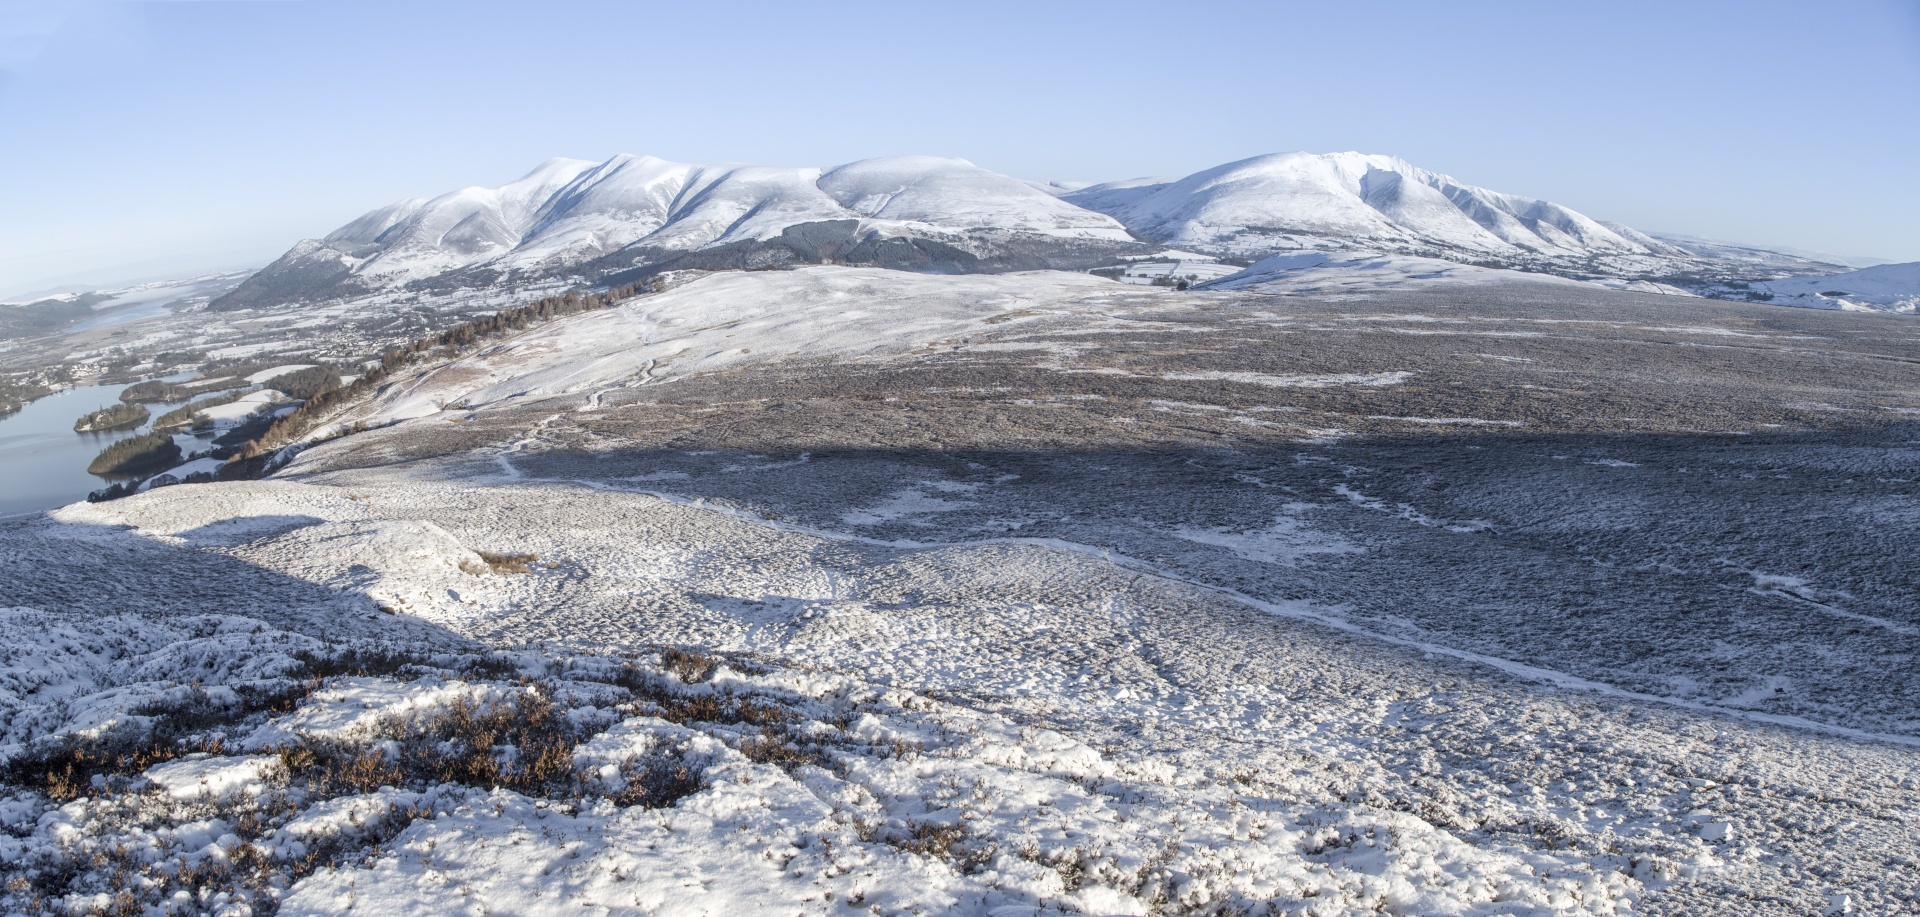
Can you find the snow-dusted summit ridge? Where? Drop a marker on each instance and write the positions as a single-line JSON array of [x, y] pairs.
[[618, 221], [569, 212], [1359, 201]]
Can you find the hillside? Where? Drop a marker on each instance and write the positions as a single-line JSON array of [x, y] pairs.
[[1014, 594]]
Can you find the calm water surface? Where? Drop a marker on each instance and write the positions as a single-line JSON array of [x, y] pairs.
[[43, 463]]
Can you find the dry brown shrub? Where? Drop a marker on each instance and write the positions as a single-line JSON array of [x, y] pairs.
[[658, 782], [690, 666], [508, 563], [928, 839]]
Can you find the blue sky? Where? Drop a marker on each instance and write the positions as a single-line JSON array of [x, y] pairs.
[[165, 136]]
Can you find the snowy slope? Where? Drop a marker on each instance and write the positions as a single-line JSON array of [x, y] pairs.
[[456, 229], [568, 212], [1365, 202], [1324, 273], [627, 199], [730, 319], [1881, 288]]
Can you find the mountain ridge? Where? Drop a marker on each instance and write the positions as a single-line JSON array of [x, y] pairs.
[[1368, 202], [569, 213], [630, 217]]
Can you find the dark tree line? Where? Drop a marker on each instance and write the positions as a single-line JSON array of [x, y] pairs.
[[305, 383], [136, 455]]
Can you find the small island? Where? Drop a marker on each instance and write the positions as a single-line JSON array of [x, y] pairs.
[[141, 454], [117, 417]]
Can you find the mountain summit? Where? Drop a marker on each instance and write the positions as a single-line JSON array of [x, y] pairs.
[[637, 212], [1367, 202]]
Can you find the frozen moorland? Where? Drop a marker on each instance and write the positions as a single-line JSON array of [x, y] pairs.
[[854, 591]]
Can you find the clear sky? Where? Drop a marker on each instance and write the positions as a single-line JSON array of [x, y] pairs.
[[168, 136]]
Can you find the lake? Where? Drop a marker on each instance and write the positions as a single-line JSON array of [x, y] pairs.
[[43, 463]]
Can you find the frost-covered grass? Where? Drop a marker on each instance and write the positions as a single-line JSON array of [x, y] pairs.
[[1006, 609], [613, 781], [840, 704]]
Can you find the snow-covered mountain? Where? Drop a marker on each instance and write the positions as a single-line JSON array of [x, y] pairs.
[[640, 210], [1881, 288], [621, 220], [1362, 202]]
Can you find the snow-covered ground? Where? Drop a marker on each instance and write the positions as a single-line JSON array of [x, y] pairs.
[[960, 729], [1322, 273], [734, 319], [853, 591], [267, 374], [236, 412], [1195, 269], [689, 785]]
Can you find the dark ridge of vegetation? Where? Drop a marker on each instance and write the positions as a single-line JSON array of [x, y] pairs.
[[155, 391], [452, 342], [117, 417], [374, 662], [136, 455], [305, 383]]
